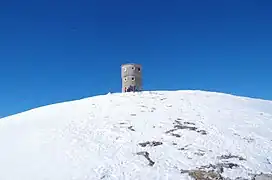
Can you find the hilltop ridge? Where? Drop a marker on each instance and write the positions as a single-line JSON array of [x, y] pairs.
[[145, 135]]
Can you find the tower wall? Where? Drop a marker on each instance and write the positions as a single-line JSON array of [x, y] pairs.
[[131, 77]]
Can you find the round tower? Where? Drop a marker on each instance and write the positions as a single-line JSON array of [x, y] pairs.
[[131, 77]]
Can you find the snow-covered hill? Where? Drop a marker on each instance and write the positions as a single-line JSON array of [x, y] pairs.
[[149, 135]]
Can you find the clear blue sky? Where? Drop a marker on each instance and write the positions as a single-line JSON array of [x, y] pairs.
[[54, 51]]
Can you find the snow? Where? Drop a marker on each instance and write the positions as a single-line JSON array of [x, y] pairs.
[[98, 137]]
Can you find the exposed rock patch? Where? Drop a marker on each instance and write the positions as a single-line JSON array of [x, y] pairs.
[[189, 123], [146, 155], [184, 148], [230, 156], [203, 132], [210, 172], [152, 109], [249, 139], [150, 143], [131, 128], [268, 161], [178, 125], [185, 127], [200, 153], [205, 175], [176, 135]]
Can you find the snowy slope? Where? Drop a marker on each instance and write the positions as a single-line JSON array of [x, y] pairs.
[[106, 137]]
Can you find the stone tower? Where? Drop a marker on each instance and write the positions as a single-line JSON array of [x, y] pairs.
[[131, 77]]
